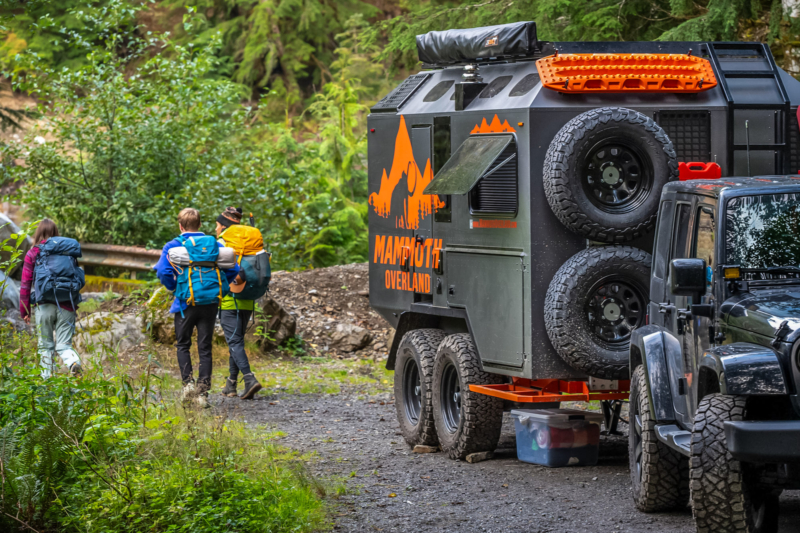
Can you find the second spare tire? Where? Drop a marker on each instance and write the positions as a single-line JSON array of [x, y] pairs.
[[594, 302], [604, 171]]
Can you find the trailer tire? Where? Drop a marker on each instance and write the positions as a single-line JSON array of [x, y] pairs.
[[659, 474], [466, 422], [604, 171], [724, 494], [593, 303], [413, 395]]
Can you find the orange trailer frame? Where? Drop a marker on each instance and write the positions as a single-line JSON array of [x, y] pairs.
[[551, 390]]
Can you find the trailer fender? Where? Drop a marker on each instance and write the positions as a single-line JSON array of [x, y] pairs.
[[648, 348], [425, 316], [741, 368]]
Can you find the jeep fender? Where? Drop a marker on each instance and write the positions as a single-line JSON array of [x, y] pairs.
[[744, 369], [649, 348]]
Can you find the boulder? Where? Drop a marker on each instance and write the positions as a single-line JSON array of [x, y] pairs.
[[109, 331], [7, 228], [161, 326], [349, 337], [274, 321], [10, 293], [13, 317]]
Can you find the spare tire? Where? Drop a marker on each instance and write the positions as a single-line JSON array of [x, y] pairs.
[[604, 171], [594, 302]]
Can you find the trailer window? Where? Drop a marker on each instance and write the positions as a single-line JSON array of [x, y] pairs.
[[494, 88], [473, 159], [525, 85], [441, 154], [438, 91]]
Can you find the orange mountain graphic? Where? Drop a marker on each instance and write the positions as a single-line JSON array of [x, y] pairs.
[[417, 205], [494, 127]]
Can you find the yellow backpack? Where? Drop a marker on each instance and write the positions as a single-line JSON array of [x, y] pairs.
[[245, 240]]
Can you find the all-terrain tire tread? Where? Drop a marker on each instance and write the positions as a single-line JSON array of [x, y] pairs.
[[426, 343], [563, 321], [665, 477], [482, 415], [556, 170], [720, 500]]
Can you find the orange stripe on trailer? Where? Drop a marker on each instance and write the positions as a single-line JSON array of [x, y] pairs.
[[620, 73], [551, 390]]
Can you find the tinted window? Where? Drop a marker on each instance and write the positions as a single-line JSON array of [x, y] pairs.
[[438, 91], [664, 226], [680, 235], [525, 85], [494, 88], [466, 166], [763, 231], [704, 240]]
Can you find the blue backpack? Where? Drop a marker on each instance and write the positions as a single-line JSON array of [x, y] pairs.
[[57, 276], [200, 283]]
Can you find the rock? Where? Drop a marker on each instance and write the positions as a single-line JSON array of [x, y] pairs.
[[7, 228], [276, 322], [313, 291], [420, 448], [480, 456], [161, 326], [86, 296], [10, 293], [13, 317], [349, 337], [109, 331]]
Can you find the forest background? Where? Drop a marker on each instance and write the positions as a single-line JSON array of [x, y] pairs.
[[144, 107]]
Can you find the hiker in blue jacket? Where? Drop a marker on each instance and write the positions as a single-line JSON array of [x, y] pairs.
[[190, 315]]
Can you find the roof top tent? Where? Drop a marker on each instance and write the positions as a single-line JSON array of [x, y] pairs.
[[512, 176]]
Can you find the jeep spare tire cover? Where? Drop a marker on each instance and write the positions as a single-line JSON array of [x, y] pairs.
[[604, 171], [594, 302]]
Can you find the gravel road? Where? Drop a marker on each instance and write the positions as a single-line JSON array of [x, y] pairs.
[[360, 437]]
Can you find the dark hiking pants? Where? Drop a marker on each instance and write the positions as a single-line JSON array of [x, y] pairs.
[[202, 317], [234, 324]]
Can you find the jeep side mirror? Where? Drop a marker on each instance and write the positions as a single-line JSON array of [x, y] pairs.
[[688, 277]]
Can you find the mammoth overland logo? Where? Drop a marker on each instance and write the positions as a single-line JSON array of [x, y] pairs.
[[416, 206]]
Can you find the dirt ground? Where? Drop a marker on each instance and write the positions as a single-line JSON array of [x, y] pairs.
[[357, 439]]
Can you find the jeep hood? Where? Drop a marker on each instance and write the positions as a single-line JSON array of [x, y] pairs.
[[762, 312]]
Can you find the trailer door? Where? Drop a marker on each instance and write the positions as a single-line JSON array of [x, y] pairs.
[[420, 215]]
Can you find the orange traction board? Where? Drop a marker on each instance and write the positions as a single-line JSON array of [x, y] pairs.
[[619, 73], [551, 390]]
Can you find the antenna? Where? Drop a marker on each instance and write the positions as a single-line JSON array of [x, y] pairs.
[[747, 141]]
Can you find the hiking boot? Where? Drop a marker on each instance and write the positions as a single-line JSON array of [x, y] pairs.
[[251, 386], [76, 370], [202, 395], [189, 391], [230, 388]]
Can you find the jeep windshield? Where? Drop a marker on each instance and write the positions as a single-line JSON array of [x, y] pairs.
[[763, 233]]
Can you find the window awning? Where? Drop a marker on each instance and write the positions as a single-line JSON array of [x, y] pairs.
[[473, 159]]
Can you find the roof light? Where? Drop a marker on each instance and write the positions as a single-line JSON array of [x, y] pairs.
[[731, 272]]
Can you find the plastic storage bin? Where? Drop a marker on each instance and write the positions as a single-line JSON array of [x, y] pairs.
[[557, 437]]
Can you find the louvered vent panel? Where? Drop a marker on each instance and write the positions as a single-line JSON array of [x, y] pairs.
[[496, 194], [794, 143], [395, 99], [690, 133]]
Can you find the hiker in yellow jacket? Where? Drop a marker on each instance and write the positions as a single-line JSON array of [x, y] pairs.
[[235, 314]]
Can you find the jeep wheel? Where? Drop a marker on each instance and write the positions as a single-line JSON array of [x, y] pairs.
[[596, 299], [604, 171], [466, 422], [412, 385], [724, 493], [660, 475]]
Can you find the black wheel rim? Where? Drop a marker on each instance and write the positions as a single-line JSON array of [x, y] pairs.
[[616, 176], [412, 391], [615, 308], [636, 431], [451, 398]]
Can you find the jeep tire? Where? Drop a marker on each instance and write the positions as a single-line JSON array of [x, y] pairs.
[[466, 422], [724, 494], [604, 171], [659, 474], [413, 397], [594, 302]]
